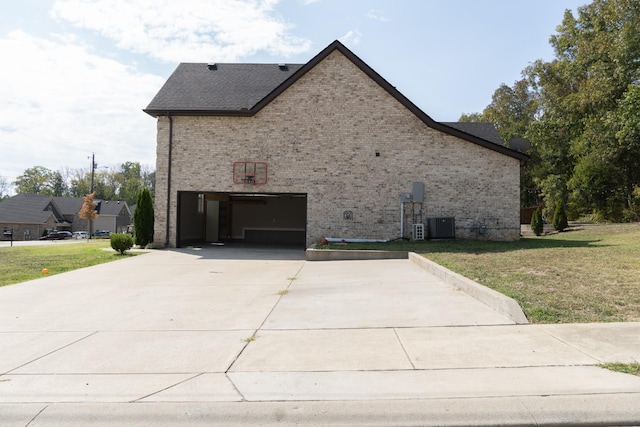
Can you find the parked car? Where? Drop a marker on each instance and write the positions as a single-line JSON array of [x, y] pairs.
[[57, 235], [80, 234], [101, 233]]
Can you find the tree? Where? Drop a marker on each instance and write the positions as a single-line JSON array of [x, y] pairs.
[[588, 90], [581, 112], [512, 110], [143, 220], [4, 188], [59, 186], [88, 210], [36, 180]]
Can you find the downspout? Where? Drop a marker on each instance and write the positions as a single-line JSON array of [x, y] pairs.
[[169, 178]]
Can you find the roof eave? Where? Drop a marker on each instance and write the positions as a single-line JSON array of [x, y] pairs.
[[178, 112]]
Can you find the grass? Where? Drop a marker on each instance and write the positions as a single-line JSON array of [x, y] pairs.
[[625, 368], [22, 263], [587, 274]]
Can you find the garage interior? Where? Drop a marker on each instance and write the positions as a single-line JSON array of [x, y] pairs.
[[278, 219]]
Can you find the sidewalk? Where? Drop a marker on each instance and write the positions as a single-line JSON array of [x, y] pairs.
[[225, 337]]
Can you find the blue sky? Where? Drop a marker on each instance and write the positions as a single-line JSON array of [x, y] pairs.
[[76, 74]]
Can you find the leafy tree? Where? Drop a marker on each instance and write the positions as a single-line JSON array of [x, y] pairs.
[[589, 89], [581, 112], [537, 226], [143, 220], [88, 210], [35, 180], [79, 182], [512, 109], [59, 186], [472, 117]]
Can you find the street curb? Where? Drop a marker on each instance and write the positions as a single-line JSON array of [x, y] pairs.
[[501, 303], [525, 411]]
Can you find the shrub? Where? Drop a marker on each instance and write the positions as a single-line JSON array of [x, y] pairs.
[[537, 226], [560, 217], [121, 242]]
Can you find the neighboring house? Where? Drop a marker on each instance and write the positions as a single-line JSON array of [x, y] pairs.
[[285, 153], [30, 215], [112, 216]]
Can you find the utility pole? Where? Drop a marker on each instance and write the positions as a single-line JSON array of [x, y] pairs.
[[93, 169]]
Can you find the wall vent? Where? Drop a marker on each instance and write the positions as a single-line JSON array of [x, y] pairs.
[[441, 227]]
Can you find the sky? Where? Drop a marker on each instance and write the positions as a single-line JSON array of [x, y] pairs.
[[75, 75]]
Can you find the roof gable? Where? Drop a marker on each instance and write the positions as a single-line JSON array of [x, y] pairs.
[[187, 94], [69, 205], [112, 208]]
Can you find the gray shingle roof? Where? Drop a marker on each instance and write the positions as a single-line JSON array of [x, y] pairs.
[[223, 88], [482, 130], [69, 205], [28, 209]]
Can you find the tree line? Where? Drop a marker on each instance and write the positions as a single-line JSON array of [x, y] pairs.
[[581, 113], [122, 182]]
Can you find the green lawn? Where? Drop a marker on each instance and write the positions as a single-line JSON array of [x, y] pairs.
[[22, 263], [587, 274]]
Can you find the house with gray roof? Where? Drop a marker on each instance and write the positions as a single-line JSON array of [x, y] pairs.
[[31, 215], [296, 153]]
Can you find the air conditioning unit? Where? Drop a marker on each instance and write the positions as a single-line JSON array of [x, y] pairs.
[[418, 231], [441, 227]]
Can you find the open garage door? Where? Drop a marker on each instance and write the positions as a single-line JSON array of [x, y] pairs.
[[252, 218]]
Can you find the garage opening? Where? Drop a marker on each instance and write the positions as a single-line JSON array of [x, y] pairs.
[[251, 218]]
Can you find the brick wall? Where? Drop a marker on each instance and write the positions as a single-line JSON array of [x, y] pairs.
[[321, 137]]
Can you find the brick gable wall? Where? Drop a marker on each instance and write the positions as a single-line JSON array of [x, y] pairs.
[[320, 137]]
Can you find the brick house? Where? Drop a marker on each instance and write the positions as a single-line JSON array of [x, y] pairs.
[[293, 153], [30, 215]]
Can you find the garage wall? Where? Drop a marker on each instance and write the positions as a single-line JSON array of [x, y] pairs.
[[191, 222], [337, 136], [279, 214]]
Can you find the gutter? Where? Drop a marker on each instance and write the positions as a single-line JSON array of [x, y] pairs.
[[169, 179]]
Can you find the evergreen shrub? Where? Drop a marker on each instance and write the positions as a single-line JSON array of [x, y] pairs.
[[121, 242], [537, 226]]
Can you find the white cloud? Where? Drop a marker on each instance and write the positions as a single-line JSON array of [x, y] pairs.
[[60, 102], [377, 15], [352, 38], [188, 30]]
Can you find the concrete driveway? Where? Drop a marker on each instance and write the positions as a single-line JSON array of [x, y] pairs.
[[240, 336]]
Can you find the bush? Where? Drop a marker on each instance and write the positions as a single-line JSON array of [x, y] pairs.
[[560, 217], [121, 242], [537, 226]]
